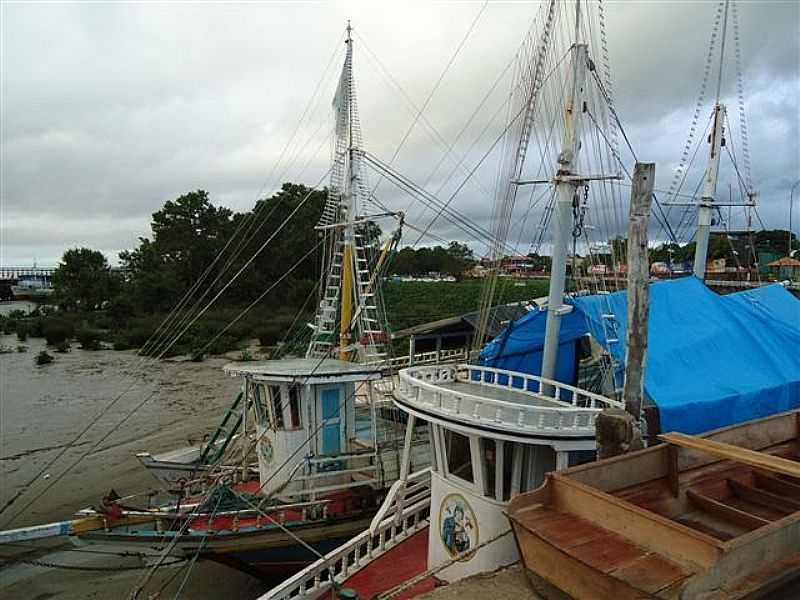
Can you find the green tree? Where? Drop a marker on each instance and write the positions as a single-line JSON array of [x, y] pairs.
[[83, 280], [188, 233]]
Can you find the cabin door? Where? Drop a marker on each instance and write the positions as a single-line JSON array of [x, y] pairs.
[[330, 407]]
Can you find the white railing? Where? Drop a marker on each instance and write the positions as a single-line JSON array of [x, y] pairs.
[[318, 578], [423, 358], [563, 410]]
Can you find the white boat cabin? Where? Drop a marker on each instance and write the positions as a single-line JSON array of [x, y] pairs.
[[316, 426]]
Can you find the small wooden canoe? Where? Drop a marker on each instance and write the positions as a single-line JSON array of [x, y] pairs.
[[712, 517]]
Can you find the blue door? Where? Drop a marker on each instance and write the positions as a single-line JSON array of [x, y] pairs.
[[331, 443]]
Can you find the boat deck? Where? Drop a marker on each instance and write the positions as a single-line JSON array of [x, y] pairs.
[[500, 393], [396, 567], [588, 546]]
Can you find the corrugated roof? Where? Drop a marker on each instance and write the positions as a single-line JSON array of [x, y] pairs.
[[785, 261]]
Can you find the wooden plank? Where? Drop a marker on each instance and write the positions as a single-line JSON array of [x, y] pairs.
[[651, 573], [725, 512], [607, 552], [672, 470], [762, 497], [775, 484], [567, 531], [797, 433], [735, 453]]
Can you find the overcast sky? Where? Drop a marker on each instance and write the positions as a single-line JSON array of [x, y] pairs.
[[110, 109]]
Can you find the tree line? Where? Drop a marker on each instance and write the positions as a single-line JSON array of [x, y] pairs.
[[193, 239]]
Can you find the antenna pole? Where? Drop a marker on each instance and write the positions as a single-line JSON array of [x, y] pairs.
[[566, 189]]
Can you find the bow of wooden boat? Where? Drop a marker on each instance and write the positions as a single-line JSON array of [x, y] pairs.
[[71, 527]]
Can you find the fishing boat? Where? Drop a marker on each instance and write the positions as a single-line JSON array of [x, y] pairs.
[[325, 461], [715, 516]]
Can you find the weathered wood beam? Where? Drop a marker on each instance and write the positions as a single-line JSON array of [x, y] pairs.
[[773, 483], [724, 511], [763, 497], [638, 290], [760, 460]]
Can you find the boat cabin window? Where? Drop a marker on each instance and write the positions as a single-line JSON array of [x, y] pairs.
[[276, 408], [294, 407], [489, 459], [498, 463], [459, 458], [509, 467], [259, 396]]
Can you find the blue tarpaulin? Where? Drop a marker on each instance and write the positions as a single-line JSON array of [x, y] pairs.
[[712, 360]]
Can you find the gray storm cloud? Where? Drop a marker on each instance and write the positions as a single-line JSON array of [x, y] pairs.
[[108, 110]]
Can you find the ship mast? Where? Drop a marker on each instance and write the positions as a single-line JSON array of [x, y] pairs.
[[706, 207], [567, 183], [347, 324]]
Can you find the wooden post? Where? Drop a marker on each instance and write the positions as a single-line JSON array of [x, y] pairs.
[[638, 292], [412, 348]]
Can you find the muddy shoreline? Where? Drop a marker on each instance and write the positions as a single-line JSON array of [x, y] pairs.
[[42, 409]]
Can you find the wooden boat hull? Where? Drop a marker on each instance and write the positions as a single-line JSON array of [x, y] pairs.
[[690, 518], [268, 549]]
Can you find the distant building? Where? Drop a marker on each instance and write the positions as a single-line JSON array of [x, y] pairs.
[[517, 266], [785, 268]]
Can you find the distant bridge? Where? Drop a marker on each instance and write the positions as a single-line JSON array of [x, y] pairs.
[[14, 273]]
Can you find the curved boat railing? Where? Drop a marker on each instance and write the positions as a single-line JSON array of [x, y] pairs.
[[567, 410]]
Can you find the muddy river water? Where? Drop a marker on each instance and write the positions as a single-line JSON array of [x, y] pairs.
[[44, 408]]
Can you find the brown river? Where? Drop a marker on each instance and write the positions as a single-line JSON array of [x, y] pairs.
[[44, 408]]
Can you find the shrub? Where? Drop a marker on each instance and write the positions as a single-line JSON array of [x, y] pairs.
[[57, 331], [272, 332], [43, 358], [9, 326], [36, 327], [62, 347], [22, 331], [22, 348], [6, 350], [89, 339]]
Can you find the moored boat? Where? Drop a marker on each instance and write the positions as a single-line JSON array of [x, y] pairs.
[[715, 516]]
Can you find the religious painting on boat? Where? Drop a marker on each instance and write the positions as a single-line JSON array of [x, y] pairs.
[[265, 450], [459, 527]]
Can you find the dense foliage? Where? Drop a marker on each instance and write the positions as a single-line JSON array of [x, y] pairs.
[[83, 280], [454, 260], [192, 239]]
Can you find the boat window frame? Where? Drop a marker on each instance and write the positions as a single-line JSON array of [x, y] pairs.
[[490, 471], [474, 455], [259, 396], [294, 408], [276, 410]]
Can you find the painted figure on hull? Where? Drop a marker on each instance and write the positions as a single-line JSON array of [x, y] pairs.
[[459, 529]]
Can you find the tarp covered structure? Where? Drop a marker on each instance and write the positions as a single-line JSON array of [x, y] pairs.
[[712, 360]]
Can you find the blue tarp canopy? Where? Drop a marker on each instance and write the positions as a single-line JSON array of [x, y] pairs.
[[712, 360]]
